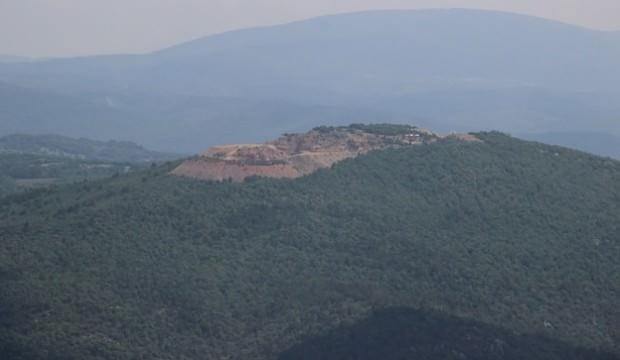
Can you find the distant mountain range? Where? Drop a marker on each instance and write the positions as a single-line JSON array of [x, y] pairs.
[[170, 123], [450, 70], [13, 59]]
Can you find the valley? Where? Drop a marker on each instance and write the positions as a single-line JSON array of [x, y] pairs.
[[33, 162]]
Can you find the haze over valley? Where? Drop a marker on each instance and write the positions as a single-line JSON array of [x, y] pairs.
[[447, 70]]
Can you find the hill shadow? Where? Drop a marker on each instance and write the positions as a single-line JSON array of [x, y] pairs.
[[402, 333]]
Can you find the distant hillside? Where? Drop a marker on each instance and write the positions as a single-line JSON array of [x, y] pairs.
[[20, 172], [171, 123], [8, 185], [83, 149], [454, 70], [520, 237], [35, 161], [13, 59], [595, 143], [413, 51]]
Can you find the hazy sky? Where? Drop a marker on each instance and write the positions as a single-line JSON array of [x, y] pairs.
[[81, 27]]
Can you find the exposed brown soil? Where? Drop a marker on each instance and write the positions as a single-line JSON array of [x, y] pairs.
[[295, 155], [464, 137]]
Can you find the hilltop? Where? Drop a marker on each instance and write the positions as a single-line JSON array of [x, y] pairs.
[[519, 238], [295, 155]]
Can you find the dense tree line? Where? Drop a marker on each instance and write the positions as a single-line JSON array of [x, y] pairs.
[[516, 235], [20, 172]]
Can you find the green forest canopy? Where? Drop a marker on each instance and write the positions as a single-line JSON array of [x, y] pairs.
[[516, 235]]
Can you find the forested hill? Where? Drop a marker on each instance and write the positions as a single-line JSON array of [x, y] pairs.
[[519, 236], [33, 161], [82, 149]]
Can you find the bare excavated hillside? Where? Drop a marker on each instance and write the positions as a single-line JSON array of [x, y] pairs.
[[295, 155]]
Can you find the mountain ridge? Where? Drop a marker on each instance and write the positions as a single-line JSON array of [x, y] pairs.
[[400, 24], [510, 15], [153, 265], [456, 70]]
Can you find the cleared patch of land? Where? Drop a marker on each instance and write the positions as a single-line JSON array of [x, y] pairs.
[[296, 155]]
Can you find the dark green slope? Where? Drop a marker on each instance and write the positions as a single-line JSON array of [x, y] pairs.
[[513, 234], [401, 333]]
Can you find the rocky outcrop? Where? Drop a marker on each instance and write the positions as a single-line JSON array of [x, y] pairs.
[[295, 155]]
